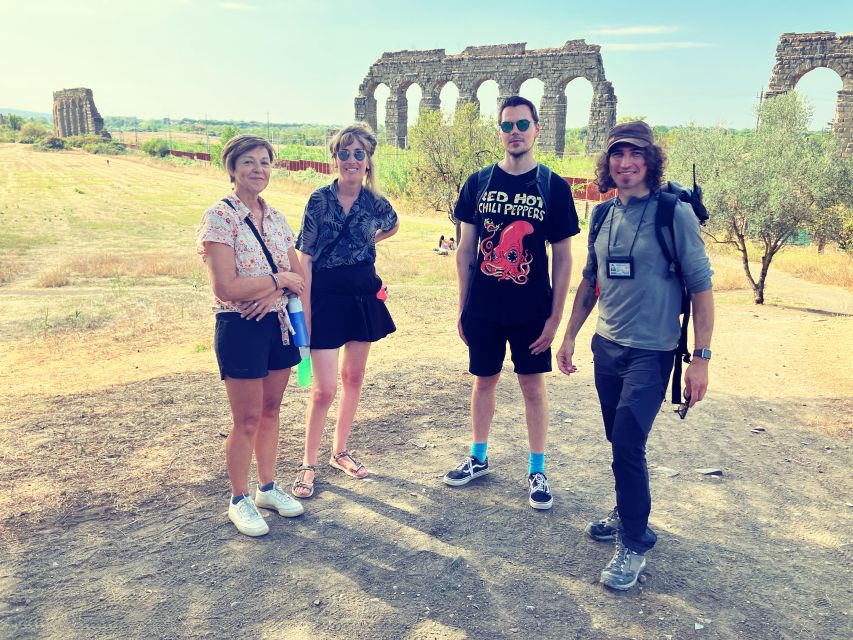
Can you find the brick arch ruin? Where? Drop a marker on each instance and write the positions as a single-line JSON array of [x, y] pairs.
[[509, 65], [799, 53]]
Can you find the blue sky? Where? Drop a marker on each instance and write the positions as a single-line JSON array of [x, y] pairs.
[[302, 60]]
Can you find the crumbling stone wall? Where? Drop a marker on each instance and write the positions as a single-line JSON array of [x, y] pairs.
[[799, 53], [75, 114], [509, 65]]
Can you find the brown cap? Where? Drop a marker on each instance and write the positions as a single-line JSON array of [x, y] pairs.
[[637, 133]]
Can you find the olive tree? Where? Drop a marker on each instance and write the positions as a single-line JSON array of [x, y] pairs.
[[444, 154], [763, 187]]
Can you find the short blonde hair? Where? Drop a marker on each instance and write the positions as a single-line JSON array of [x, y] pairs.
[[362, 133], [237, 146]]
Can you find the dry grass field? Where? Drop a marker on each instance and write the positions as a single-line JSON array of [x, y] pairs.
[[112, 509]]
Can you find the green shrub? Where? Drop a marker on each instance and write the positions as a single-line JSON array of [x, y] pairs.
[[32, 132], [156, 147], [50, 143], [78, 142], [106, 147]]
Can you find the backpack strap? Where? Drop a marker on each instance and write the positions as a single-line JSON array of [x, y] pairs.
[[484, 177], [665, 220], [543, 181]]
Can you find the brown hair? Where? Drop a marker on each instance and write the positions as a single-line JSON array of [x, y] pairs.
[[237, 146], [361, 133], [655, 161]]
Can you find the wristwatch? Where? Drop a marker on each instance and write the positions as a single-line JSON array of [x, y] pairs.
[[705, 354]]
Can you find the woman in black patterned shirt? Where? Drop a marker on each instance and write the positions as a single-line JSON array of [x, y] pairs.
[[343, 222]]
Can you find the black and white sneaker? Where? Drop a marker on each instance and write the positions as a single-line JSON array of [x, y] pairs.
[[466, 471], [540, 492], [606, 529]]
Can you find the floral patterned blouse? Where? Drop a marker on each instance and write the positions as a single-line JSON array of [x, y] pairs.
[[227, 225]]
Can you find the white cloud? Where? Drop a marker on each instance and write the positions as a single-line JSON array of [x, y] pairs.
[[653, 46], [633, 31], [238, 6]]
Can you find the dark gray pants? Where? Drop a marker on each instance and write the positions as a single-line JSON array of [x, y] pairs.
[[631, 385]]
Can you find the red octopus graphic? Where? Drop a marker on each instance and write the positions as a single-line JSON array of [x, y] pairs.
[[508, 260]]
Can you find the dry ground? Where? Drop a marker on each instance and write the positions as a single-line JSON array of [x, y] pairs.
[[112, 509]]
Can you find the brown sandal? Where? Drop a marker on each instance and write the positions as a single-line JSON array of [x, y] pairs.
[[357, 466], [300, 482]]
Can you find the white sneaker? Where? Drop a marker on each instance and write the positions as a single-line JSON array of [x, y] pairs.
[[277, 500], [247, 518]]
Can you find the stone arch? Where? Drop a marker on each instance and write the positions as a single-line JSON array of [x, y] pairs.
[[509, 65], [799, 53]]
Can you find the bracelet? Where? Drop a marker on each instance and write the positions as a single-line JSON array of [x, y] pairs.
[[275, 280]]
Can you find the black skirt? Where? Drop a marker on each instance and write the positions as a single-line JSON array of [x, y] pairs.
[[345, 306]]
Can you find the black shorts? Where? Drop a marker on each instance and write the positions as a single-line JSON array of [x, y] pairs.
[[344, 306], [487, 346], [251, 349]]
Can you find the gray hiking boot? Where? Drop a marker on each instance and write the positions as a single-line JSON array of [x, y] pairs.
[[623, 570], [606, 529]]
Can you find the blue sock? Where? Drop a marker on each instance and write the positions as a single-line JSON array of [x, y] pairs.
[[267, 486], [478, 450], [236, 499], [537, 463]]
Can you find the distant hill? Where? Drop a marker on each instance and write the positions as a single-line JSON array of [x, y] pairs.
[[28, 114]]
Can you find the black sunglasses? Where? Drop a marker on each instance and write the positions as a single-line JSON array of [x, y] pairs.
[[523, 125], [359, 154], [683, 407]]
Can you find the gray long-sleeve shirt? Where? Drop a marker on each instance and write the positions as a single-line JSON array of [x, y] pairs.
[[643, 312]]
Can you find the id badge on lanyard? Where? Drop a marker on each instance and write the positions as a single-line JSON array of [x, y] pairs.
[[620, 267]]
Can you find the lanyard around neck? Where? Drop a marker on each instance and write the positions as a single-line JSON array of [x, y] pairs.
[[636, 233]]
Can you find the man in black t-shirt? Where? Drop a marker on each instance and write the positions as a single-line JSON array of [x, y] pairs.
[[505, 292]]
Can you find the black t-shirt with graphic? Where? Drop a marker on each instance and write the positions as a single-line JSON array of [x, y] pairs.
[[510, 282]]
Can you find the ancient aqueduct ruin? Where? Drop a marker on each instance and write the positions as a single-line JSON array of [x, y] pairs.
[[509, 65], [75, 113], [799, 53]]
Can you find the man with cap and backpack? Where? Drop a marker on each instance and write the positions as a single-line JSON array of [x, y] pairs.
[[646, 265]]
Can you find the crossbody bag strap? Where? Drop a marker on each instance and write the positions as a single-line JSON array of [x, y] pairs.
[[248, 221]]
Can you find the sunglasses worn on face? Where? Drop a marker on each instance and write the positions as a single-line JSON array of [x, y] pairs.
[[359, 154], [523, 125]]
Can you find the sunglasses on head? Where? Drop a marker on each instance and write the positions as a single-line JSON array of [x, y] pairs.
[[359, 154], [523, 125]]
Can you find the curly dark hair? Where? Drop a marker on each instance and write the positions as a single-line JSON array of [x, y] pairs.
[[655, 161]]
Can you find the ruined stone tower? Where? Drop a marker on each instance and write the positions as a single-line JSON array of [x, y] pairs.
[[75, 113]]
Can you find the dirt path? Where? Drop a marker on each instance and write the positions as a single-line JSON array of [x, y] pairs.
[[114, 526]]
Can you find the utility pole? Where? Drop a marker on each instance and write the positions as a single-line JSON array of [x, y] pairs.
[[268, 125], [760, 97], [169, 130], [206, 133]]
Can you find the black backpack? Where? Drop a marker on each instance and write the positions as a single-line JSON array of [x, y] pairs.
[[671, 193]]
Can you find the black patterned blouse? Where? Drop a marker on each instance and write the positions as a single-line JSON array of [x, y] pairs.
[[325, 219]]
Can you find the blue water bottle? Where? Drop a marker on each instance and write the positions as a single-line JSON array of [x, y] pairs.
[[300, 339]]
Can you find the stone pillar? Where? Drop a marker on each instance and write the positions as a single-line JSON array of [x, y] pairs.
[[503, 94], [602, 117], [365, 110], [843, 125], [430, 100], [396, 118], [552, 120]]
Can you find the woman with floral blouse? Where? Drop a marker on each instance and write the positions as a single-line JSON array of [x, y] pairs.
[[240, 238], [343, 222]]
